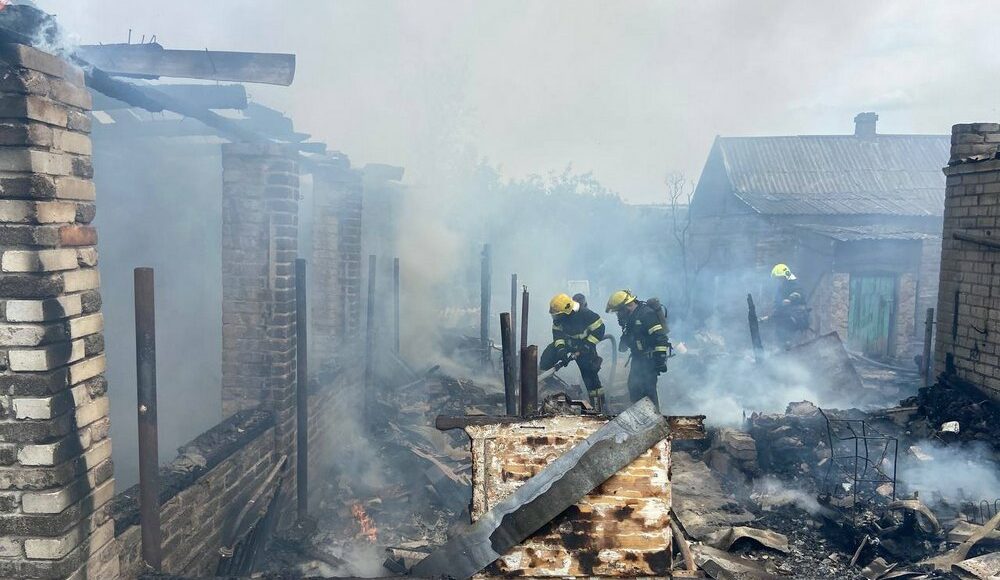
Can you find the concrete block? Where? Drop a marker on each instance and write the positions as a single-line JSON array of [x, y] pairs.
[[43, 310], [48, 358], [77, 280], [86, 325], [38, 261]]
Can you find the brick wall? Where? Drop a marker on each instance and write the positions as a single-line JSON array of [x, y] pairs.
[[55, 468], [968, 345], [260, 184], [622, 528], [202, 491], [336, 257], [336, 254]]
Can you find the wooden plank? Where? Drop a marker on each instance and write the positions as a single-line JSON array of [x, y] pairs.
[[153, 61], [681, 426], [206, 96]]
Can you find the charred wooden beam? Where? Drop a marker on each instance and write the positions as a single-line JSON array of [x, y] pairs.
[[681, 426], [151, 60], [557, 487], [985, 241], [206, 96]]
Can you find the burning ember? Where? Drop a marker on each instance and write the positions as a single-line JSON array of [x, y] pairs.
[[368, 528]]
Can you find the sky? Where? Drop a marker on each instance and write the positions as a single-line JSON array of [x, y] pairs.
[[629, 90]]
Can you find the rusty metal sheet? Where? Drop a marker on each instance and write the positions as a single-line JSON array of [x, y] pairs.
[[559, 484], [621, 528]]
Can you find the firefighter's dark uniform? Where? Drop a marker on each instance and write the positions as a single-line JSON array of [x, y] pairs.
[[790, 314], [577, 333], [645, 335]]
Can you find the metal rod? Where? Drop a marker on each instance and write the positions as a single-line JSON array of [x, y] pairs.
[[370, 336], [301, 392], [484, 304], [524, 317], [529, 380], [513, 310], [149, 463], [758, 347], [395, 302], [509, 383], [514, 343], [928, 339]]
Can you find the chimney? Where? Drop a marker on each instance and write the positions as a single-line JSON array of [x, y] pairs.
[[864, 125]]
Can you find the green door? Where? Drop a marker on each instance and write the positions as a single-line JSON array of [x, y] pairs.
[[869, 320]]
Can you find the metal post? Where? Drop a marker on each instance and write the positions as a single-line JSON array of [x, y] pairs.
[[758, 347], [484, 304], [149, 464], [395, 301], [509, 383], [513, 312], [529, 380], [928, 339], [524, 317], [370, 336], [301, 392]]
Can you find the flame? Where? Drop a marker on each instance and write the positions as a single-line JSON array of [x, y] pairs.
[[368, 529]]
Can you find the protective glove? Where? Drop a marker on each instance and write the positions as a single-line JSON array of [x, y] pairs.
[[661, 362]]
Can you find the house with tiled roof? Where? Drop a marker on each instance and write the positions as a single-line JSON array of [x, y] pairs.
[[857, 217]]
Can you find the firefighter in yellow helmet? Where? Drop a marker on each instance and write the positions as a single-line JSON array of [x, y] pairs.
[[575, 334], [790, 314], [644, 333]]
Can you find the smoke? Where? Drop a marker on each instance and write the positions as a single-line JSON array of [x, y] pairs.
[[769, 493], [956, 473]]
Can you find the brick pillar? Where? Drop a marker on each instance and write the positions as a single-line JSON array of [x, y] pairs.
[[260, 192], [56, 475], [966, 346], [336, 257]]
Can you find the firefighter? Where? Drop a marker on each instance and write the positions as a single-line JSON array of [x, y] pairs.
[[575, 334], [789, 313], [644, 333]]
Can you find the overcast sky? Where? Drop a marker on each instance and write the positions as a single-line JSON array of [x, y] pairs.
[[626, 89]]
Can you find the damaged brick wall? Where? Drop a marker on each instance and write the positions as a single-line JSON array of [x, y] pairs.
[[336, 255], [55, 456], [260, 190], [622, 528], [201, 493], [968, 341]]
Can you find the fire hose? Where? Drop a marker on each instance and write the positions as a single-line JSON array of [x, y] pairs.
[[562, 363]]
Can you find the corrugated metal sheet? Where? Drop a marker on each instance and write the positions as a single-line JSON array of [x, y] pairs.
[[864, 232], [838, 174], [622, 528]]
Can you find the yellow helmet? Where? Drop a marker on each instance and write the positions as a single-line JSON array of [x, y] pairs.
[[782, 271], [619, 299], [562, 304]]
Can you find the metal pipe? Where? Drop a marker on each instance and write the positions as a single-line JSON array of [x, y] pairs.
[[514, 343], [524, 316], [370, 336], [149, 464], [529, 380], [395, 302], [486, 286], [509, 383], [928, 339], [301, 392]]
